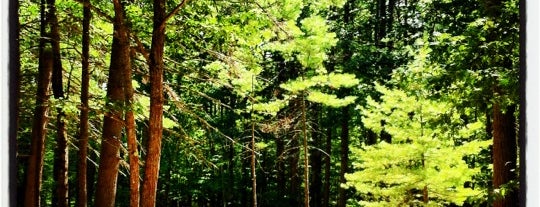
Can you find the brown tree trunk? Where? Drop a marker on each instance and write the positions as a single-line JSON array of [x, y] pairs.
[[281, 181], [14, 101], [151, 167], [253, 160], [327, 163], [294, 184], [381, 13], [316, 161], [57, 83], [504, 152], [133, 154], [132, 145], [39, 126], [39, 131], [113, 122], [344, 146], [342, 200], [82, 189], [60, 197], [306, 152]]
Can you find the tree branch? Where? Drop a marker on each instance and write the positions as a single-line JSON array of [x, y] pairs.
[[172, 13], [96, 10]]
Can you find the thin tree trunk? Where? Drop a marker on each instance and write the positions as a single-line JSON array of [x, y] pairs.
[[280, 150], [133, 154], [294, 177], [342, 201], [151, 167], [82, 189], [39, 126], [344, 147], [60, 197], [327, 163], [504, 152], [39, 131], [253, 158], [132, 145], [390, 22], [57, 83], [306, 152], [316, 161], [113, 122], [14, 100]]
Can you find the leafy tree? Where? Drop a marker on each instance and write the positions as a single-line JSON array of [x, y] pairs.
[[428, 146]]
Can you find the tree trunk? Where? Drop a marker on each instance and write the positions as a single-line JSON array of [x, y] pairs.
[[60, 197], [57, 83], [327, 163], [14, 101], [82, 189], [39, 131], [281, 181], [133, 154], [39, 126], [342, 200], [504, 152], [132, 145], [381, 11], [316, 161], [295, 178], [253, 160], [151, 167], [306, 152], [112, 123]]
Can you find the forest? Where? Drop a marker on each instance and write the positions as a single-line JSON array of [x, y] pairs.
[[319, 103]]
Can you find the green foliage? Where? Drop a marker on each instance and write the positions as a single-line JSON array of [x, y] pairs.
[[426, 156]]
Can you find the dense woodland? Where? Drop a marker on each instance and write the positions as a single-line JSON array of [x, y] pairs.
[[210, 103]]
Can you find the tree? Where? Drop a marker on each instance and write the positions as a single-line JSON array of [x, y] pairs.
[[39, 129], [82, 184], [39, 126], [428, 149], [61, 165], [112, 123], [155, 123]]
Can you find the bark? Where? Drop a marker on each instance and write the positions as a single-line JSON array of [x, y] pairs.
[[306, 152], [294, 184], [390, 22], [39, 125], [151, 167], [253, 159], [344, 146], [39, 131], [327, 163], [57, 83], [132, 148], [504, 152], [60, 197], [316, 161], [381, 11], [113, 122], [281, 181], [82, 189], [131, 134], [14, 100]]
